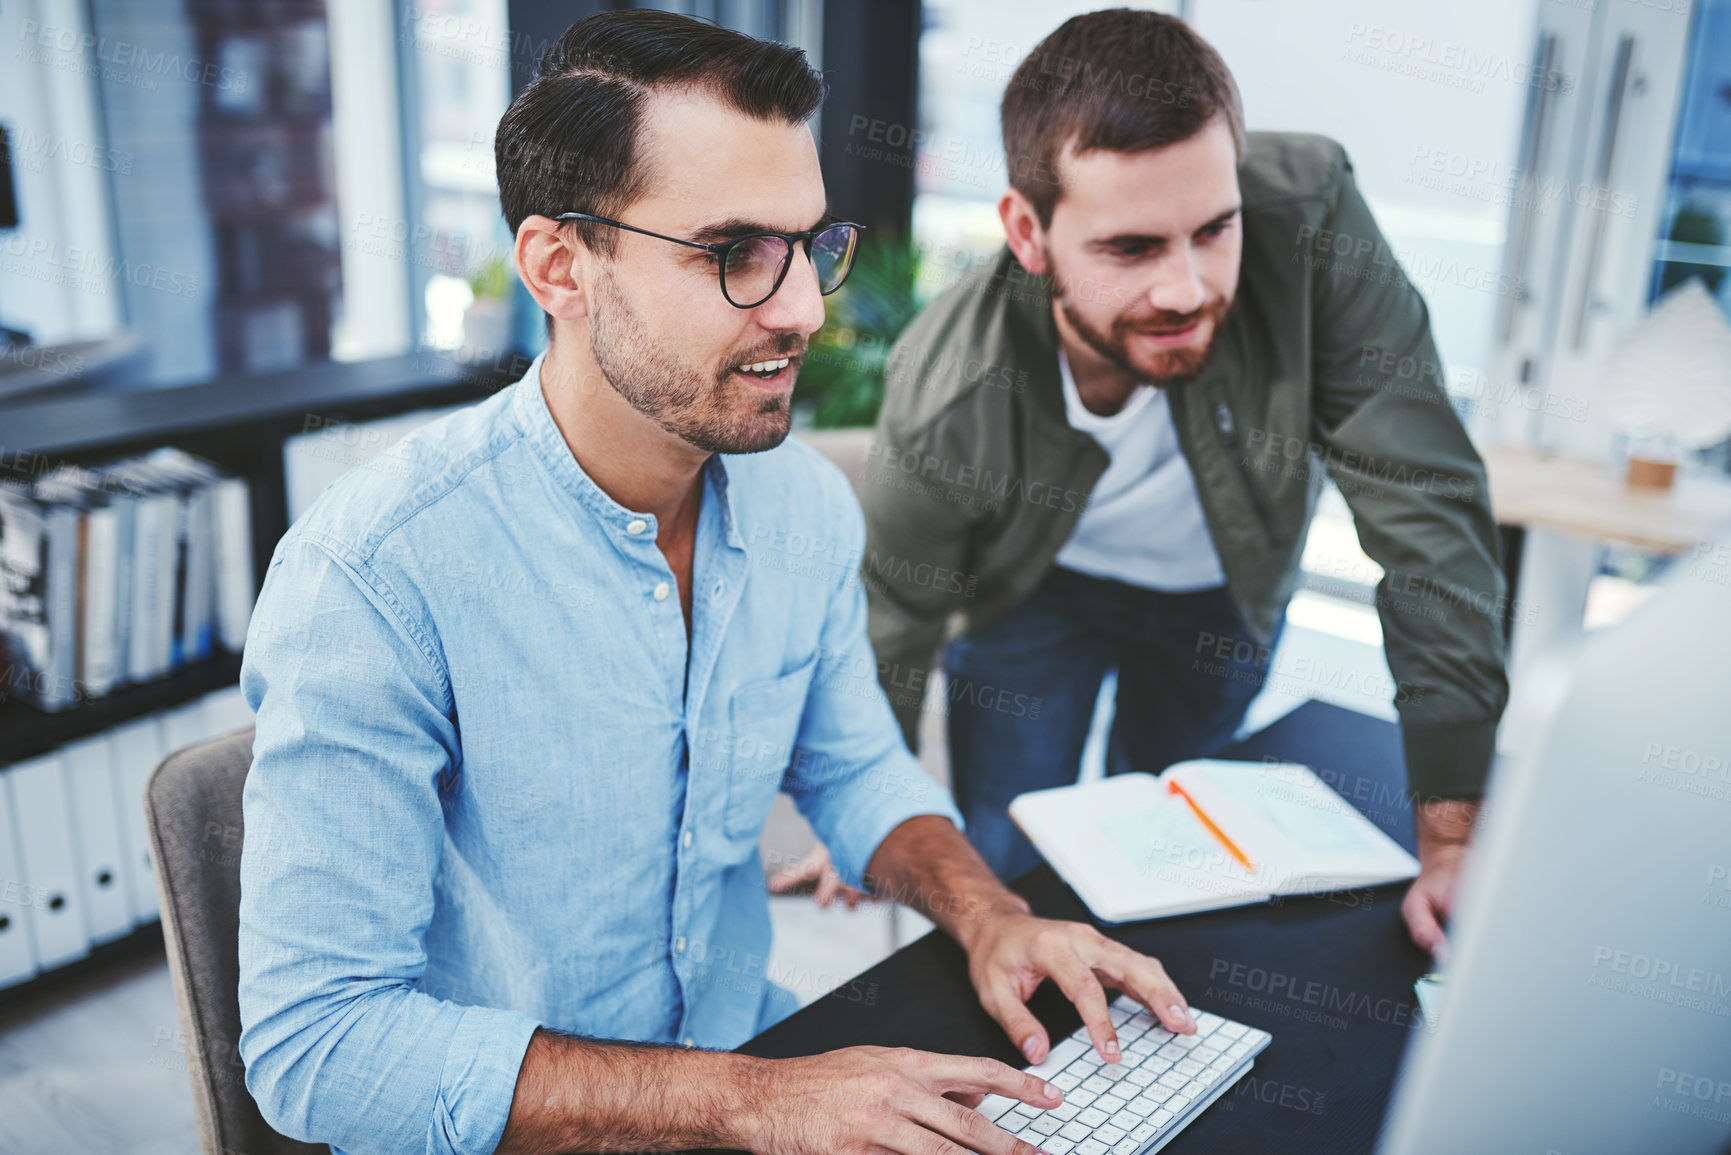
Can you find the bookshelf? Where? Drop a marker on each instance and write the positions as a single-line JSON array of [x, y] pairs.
[[239, 423]]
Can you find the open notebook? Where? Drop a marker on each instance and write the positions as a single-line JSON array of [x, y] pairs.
[[1132, 848]]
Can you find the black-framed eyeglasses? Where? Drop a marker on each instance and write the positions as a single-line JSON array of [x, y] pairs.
[[752, 267]]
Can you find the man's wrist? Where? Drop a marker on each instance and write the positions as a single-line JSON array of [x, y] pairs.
[[742, 1091], [1445, 822], [981, 916]]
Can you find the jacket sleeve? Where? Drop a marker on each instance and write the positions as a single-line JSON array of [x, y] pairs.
[[1388, 437], [344, 829], [919, 515]]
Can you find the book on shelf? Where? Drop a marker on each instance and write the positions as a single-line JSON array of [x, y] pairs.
[[120, 573]]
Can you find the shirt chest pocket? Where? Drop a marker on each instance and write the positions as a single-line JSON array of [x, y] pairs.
[[764, 719]]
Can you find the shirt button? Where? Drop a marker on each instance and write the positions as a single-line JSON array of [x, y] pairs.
[[685, 840], [636, 526], [679, 945], [689, 1041], [661, 591]]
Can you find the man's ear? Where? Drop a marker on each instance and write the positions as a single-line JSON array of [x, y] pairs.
[[1022, 230], [550, 259]]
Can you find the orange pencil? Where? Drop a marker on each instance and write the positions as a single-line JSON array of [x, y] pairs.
[[1231, 846]]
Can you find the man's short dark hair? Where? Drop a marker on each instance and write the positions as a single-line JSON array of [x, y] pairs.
[[1124, 80], [570, 141]]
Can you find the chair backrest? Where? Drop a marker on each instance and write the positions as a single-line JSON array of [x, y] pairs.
[[192, 804]]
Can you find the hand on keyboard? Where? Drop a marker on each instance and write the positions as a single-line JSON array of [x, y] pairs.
[[1009, 955], [877, 1098], [1138, 1105]]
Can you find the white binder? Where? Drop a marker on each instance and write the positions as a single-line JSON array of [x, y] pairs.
[[45, 844], [102, 860], [17, 959], [134, 750]]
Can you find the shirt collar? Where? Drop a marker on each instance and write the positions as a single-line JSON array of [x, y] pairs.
[[535, 419]]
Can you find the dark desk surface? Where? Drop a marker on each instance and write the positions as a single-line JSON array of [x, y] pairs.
[[1330, 977]]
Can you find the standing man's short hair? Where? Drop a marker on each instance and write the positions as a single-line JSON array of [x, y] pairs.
[[1124, 80], [570, 140]]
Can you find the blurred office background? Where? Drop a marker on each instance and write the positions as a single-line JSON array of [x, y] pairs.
[[267, 232]]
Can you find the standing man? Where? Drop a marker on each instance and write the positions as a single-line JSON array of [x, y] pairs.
[[527, 689], [1113, 437]]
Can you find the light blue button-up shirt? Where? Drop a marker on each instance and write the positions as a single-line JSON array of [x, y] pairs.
[[494, 788]]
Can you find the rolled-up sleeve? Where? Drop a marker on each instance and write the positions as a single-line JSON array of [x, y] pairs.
[[343, 835], [852, 775]]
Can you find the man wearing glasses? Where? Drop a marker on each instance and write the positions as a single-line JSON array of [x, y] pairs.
[[525, 697]]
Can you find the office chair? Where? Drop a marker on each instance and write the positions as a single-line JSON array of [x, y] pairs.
[[192, 806]]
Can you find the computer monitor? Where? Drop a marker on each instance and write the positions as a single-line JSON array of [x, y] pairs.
[[1588, 998]]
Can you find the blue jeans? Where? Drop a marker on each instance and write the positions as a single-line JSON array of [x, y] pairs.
[[1022, 688]]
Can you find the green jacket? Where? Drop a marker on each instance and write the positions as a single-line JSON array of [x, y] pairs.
[[975, 478]]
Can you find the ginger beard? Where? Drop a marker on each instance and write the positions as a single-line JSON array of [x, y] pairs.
[[1161, 368], [716, 411]]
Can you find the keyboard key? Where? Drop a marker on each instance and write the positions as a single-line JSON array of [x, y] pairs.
[[1145, 1132], [1075, 1130], [1024, 1109], [1066, 1080], [1161, 1117], [1190, 1067], [1109, 1134], [1142, 1076], [1206, 1023], [1046, 1125], [1091, 1147], [1121, 1015], [1111, 1104], [1157, 1094], [1066, 1110], [993, 1106], [1081, 1096], [1126, 1146], [1128, 1120], [1056, 1145], [1063, 1054], [1092, 1117], [1097, 1084], [1173, 1080], [1232, 1030], [1172, 1051], [1089, 1061], [1114, 1071]]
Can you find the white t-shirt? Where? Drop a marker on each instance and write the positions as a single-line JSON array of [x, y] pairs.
[[1144, 523]]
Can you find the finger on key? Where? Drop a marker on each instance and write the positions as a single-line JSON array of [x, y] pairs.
[[1148, 983], [1082, 987], [947, 1073], [1003, 1004], [968, 1129]]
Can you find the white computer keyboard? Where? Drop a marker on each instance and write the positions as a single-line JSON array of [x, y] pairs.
[[1137, 1105]]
